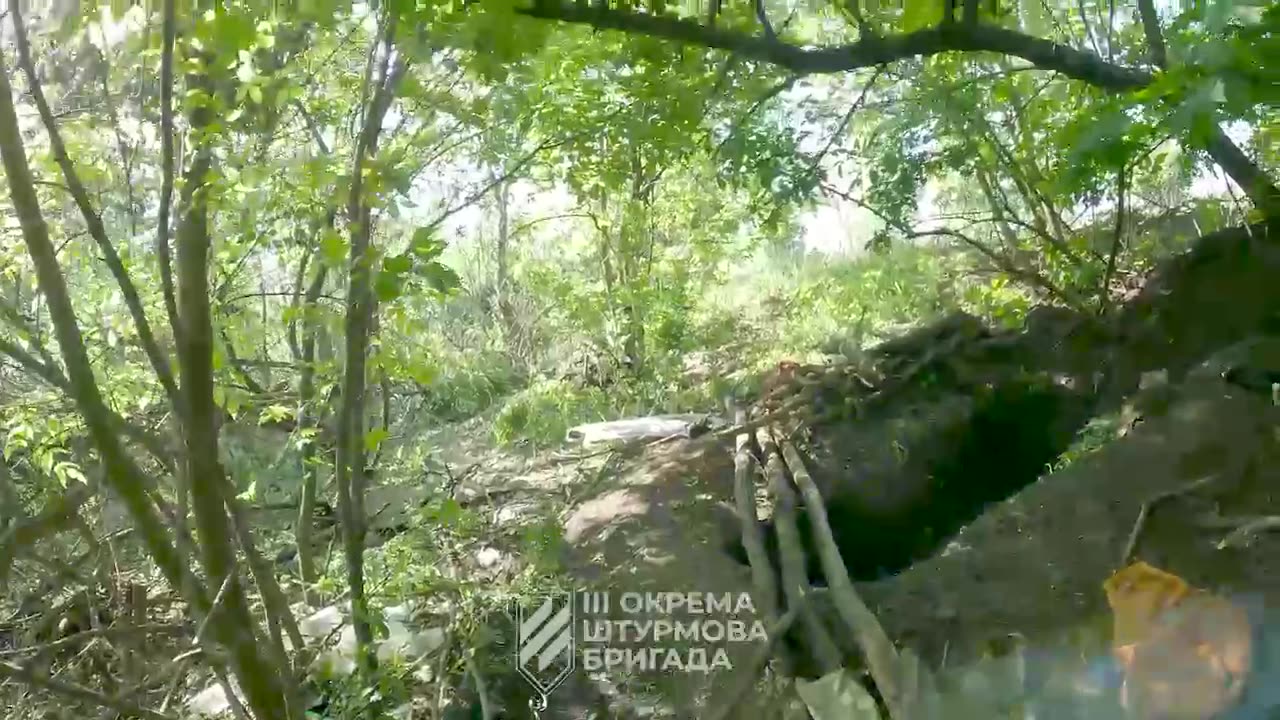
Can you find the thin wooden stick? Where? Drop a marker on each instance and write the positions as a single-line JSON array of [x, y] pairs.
[[794, 569], [764, 584], [882, 657]]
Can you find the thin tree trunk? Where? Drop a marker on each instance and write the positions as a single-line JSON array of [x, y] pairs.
[[502, 191], [163, 256], [349, 465], [97, 230], [124, 476], [308, 424], [265, 686]]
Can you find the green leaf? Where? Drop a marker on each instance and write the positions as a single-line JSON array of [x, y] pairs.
[[422, 373], [234, 402], [388, 286], [333, 247], [920, 14], [447, 514], [255, 93], [425, 245], [373, 439], [441, 278], [274, 413], [66, 471], [398, 264], [1031, 14], [18, 437]]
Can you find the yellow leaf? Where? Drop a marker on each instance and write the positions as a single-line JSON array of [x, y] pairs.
[[1186, 653]]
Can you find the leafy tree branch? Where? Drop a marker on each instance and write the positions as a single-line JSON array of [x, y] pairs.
[[159, 361], [942, 38]]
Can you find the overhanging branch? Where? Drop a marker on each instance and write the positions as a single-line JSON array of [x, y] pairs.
[[946, 37], [1042, 53]]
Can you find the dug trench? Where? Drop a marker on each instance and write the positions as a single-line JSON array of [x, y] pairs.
[[942, 508], [938, 486], [972, 427], [939, 489]]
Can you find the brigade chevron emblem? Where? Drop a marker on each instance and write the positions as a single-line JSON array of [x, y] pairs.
[[545, 648]]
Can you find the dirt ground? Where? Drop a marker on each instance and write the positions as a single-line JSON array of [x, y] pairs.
[[1031, 567]]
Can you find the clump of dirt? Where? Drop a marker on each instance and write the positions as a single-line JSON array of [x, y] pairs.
[[1035, 564]]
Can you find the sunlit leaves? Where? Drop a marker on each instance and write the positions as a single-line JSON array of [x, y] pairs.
[[920, 14], [275, 414], [1033, 17], [16, 439], [230, 399], [38, 441], [418, 267], [66, 472], [374, 439], [333, 247]]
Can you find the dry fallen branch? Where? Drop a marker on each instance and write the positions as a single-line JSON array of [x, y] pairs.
[[180, 664], [794, 569], [1243, 534], [1144, 512], [764, 584], [107, 633], [881, 656]]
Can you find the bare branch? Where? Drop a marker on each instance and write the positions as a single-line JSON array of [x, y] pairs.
[[1088, 29], [844, 122], [768, 95], [763, 17], [166, 171], [126, 160], [314, 129], [57, 515], [484, 190], [1004, 264], [1104, 292]]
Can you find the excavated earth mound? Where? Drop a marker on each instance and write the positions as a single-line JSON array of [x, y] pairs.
[[1022, 554]]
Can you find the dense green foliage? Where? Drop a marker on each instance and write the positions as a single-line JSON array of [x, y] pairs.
[[567, 224]]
